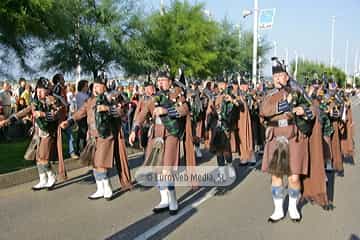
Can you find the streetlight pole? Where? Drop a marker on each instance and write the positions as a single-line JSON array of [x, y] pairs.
[[296, 64], [255, 42], [332, 42], [162, 7], [239, 36], [355, 66], [346, 60], [286, 56]]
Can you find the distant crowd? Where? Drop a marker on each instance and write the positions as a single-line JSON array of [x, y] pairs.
[[15, 97]]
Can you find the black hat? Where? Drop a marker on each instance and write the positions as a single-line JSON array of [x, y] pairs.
[[164, 72], [58, 78], [101, 78], [43, 83], [233, 79], [243, 80], [148, 81], [182, 76], [277, 66], [189, 81], [112, 86], [197, 82]]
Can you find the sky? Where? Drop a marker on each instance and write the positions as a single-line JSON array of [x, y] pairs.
[[303, 26]]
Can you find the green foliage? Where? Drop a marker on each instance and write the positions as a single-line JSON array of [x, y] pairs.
[[96, 34], [104, 34], [309, 68], [234, 50], [23, 21], [184, 35], [227, 49]]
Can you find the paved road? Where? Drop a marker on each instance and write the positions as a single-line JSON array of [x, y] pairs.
[[238, 212]]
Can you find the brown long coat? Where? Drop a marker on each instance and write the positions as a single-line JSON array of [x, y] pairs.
[[335, 148], [231, 143], [171, 143], [346, 135], [48, 145], [298, 142], [245, 132], [106, 147], [315, 182], [140, 106]]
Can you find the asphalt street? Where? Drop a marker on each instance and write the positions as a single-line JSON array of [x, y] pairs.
[[239, 211]]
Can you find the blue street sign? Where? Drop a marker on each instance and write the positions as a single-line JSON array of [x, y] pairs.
[[266, 18]]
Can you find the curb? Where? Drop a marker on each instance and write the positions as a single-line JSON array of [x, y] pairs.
[[30, 174]]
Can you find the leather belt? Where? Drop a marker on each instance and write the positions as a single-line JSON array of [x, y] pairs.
[[281, 123]]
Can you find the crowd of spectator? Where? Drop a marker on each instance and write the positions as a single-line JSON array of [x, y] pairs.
[[15, 97]]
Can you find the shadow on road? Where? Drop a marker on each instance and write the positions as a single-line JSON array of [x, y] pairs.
[[348, 160], [88, 178], [186, 204], [354, 237]]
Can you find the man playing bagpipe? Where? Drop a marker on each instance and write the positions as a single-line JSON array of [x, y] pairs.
[[197, 111], [46, 110], [106, 140], [149, 92], [244, 122], [171, 123], [346, 127], [221, 120], [333, 105], [288, 119]]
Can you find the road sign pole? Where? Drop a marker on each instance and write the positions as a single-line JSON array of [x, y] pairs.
[[255, 43]]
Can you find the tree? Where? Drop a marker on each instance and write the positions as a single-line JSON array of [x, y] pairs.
[[227, 49], [23, 24], [98, 33], [184, 35], [233, 47], [307, 69]]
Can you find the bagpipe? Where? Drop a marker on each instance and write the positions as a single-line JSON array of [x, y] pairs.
[[106, 110], [335, 104], [192, 96], [299, 97], [51, 106]]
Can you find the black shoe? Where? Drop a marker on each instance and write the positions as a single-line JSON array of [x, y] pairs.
[[160, 210], [94, 198], [52, 187], [173, 212], [270, 220], [38, 189], [296, 220]]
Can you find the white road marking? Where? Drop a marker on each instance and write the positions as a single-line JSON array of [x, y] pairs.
[[166, 222], [152, 231]]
